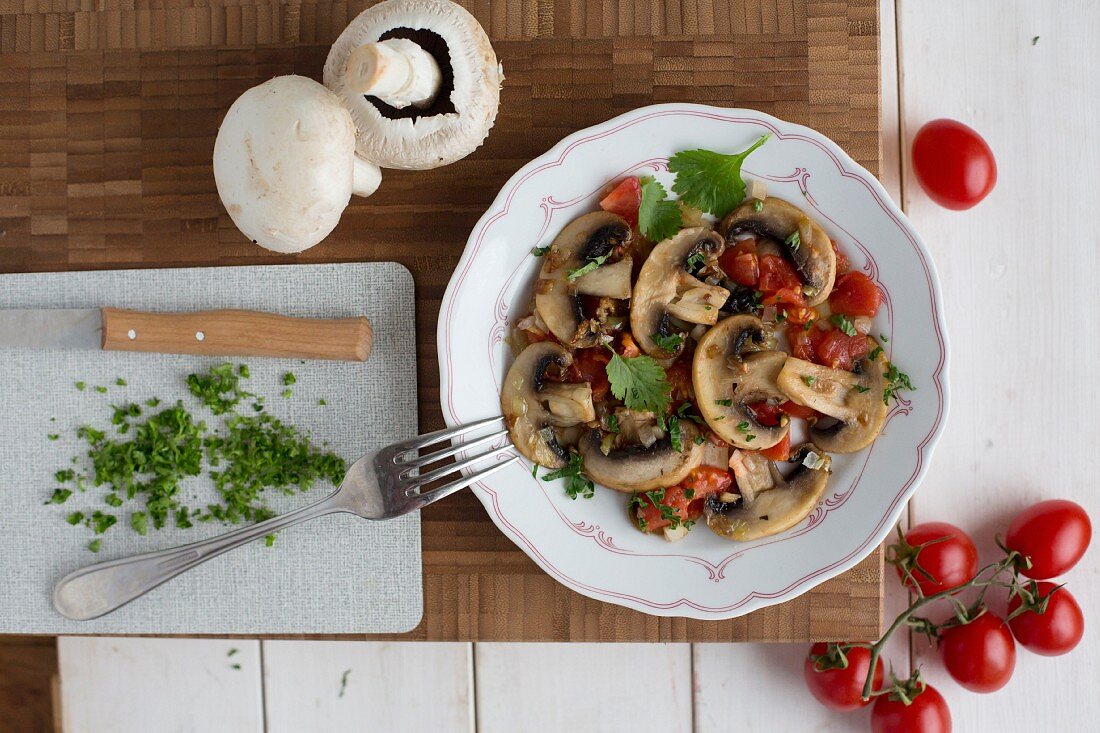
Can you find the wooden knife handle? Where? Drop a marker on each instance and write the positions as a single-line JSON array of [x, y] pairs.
[[237, 333]]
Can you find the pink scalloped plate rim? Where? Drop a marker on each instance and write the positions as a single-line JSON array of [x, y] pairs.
[[648, 599]]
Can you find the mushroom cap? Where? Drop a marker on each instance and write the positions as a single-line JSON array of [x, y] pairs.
[[775, 509], [853, 399], [662, 277], [777, 219], [530, 424], [556, 301], [638, 468], [419, 143], [284, 162], [734, 367]]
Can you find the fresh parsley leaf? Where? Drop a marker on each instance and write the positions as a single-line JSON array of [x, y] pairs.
[[101, 390], [75, 518], [639, 381], [100, 522], [724, 403], [289, 379], [884, 337], [81, 386], [668, 344], [269, 540], [794, 241], [781, 316], [844, 323], [743, 426], [694, 261], [699, 439], [613, 423], [95, 544], [53, 436], [139, 523], [288, 393], [112, 500], [120, 382], [590, 266], [658, 217], [809, 379], [675, 435], [711, 181], [577, 483], [540, 251], [750, 437], [896, 381]]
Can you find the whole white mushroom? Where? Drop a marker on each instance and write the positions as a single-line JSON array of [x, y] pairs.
[[285, 163]]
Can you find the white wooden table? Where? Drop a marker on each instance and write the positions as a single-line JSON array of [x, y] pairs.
[[1019, 277]]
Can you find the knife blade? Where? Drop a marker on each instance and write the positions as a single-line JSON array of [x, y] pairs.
[[201, 333]]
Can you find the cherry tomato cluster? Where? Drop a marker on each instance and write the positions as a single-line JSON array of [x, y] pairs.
[[937, 561]]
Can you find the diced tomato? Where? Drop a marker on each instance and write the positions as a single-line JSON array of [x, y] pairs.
[[766, 414], [803, 342], [799, 315], [685, 499], [741, 264], [627, 346], [679, 379], [624, 200], [781, 451], [843, 265], [589, 365], [788, 296], [840, 351], [855, 295], [704, 481], [776, 274], [796, 410]]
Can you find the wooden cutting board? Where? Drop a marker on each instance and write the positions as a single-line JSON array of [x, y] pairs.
[[108, 112]]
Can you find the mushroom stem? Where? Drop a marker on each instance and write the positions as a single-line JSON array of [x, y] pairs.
[[365, 177], [396, 71]]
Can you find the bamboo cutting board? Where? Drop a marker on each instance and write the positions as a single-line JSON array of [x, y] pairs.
[[108, 111]]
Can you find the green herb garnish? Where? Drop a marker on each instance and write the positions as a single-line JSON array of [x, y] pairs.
[[577, 483], [640, 382], [675, 435], [95, 544], [809, 379], [711, 181], [844, 323], [658, 217], [81, 386], [668, 344], [896, 381], [540, 251], [724, 403], [289, 379], [590, 266], [794, 241]]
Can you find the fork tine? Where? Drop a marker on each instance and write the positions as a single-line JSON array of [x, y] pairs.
[[438, 436], [446, 490], [423, 460], [427, 478]]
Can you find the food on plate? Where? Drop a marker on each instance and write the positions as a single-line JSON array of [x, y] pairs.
[[143, 458], [671, 345], [1048, 621], [953, 164], [979, 654], [1052, 535]]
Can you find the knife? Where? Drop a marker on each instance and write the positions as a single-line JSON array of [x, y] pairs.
[[202, 333]]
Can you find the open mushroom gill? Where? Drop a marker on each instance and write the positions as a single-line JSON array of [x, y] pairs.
[[434, 44]]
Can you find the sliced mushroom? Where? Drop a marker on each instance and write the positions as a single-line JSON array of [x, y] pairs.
[[637, 427], [852, 399], [753, 473], [530, 422], [637, 468], [735, 365], [666, 288], [569, 404], [609, 281], [772, 510], [811, 251], [583, 240]]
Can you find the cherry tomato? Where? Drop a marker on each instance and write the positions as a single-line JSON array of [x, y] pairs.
[[777, 274], [855, 295], [840, 689], [741, 263], [624, 200], [781, 451], [980, 655], [943, 563], [1055, 631], [954, 165], [590, 365], [796, 410], [1053, 533], [842, 263], [926, 713]]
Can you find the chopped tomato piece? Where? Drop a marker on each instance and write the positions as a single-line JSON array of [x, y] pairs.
[[766, 414], [788, 296], [776, 274], [624, 200], [843, 265], [741, 264], [781, 451], [679, 379], [803, 342], [855, 295], [627, 346], [796, 410], [840, 351], [798, 315], [685, 499], [590, 365]]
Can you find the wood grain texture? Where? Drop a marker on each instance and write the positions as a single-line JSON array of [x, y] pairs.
[[107, 120], [28, 667], [237, 333]]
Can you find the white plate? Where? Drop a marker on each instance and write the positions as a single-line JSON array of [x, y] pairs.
[[590, 545]]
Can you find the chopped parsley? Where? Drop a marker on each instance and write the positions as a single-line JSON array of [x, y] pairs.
[[668, 344], [95, 544], [640, 382], [896, 381], [809, 379], [743, 427], [120, 382], [75, 518], [81, 386], [540, 251], [101, 390], [613, 423], [220, 389], [675, 435], [269, 540], [577, 483], [725, 403], [287, 393], [588, 267], [139, 522], [289, 379], [112, 500], [711, 181], [844, 323], [658, 217], [758, 206], [860, 389], [699, 439], [59, 496], [875, 352], [100, 522], [694, 261], [794, 241]]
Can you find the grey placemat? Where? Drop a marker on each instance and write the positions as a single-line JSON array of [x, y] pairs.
[[336, 574]]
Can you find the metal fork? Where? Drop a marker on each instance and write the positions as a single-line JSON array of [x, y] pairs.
[[381, 485]]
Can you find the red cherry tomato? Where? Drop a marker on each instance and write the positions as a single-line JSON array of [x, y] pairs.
[[624, 200], [781, 451], [980, 655], [1053, 533], [741, 263], [942, 564], [840, 689], [855, 295], [1055, 631], [954, 165], [926, 713]]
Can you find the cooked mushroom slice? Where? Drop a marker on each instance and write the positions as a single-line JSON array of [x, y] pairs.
[[637, 468], [852, 399], [637, 426], [735, 366], [665, 288], [786, 503], [753, 473], [569, 404], [583, 240], [530, 423], [609, 281], [811, 251]]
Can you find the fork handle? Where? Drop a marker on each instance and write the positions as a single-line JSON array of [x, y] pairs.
[[101, 588]]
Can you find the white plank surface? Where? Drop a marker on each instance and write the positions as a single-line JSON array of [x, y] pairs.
[[583, 687], [163, 685], [332, 686], [1019, 274]]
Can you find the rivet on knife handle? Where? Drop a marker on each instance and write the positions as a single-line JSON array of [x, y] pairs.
[[236, 333]]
